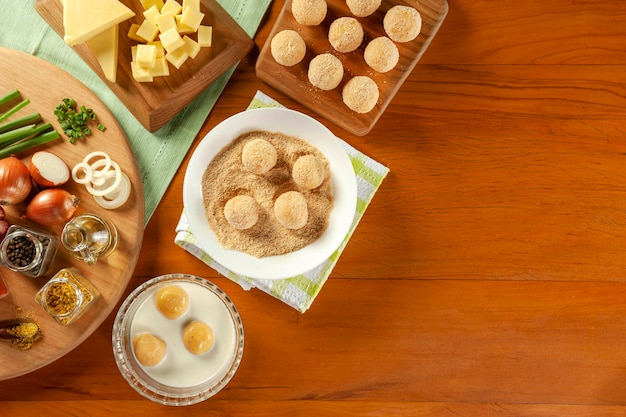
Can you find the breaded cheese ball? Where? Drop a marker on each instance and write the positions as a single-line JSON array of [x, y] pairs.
[[241, 212], [288, 48], [363, 8], [198, 337], [381, 54], [149, 349], [360, 94], [402, 23], [291, 210], [325, 71], [258, 156], [345, 34], [172, 301], [308, 172], [309, 12]]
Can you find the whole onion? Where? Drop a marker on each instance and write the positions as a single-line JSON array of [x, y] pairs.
[[51, 207], [15, 181]]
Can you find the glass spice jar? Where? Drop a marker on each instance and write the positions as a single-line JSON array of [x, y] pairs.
[[67, 295], [28, 250]]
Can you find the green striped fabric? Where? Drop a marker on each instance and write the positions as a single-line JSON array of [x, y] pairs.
[[299, 291]]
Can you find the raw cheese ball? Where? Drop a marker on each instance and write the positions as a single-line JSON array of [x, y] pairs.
[[402, 23], [345, 34], [291, 210], [360, 94], [381, 54], [258, 156], [363, 8], [309, 12], [172, 301], [325, 71], [308, 172], [242, 212], [149, 349], [288, 47], [198, 337]]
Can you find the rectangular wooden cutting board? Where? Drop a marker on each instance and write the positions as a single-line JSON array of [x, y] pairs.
[[293, 81], [156, 103]]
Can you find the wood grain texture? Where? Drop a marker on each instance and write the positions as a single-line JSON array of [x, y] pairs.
[[293, 81], [110, 275], [156, 103], [487, 276]]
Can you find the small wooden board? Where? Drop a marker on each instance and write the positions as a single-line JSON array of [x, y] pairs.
[[45, 85], [156, 103], [293, 81]]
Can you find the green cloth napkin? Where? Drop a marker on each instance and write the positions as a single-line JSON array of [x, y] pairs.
[[158, 154], [300, 291]]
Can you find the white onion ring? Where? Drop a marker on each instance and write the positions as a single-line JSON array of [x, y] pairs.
[[116, 183], [86, 169], [116, 198], [101, 154]]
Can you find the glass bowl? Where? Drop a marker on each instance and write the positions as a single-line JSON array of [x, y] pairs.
[[182, 378]]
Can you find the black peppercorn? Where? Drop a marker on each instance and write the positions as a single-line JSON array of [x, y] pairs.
[[21, 251]]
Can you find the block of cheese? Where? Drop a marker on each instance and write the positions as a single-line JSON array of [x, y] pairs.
[[105, 46], [83, 19]]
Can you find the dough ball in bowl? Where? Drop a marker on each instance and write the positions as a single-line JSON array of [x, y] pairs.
[[360, 94], [291, 210], [258, 156], [363, 8], [198, 337], [325, 71], [381, 54], [345, 34], [172, 301], [308, 172], [149, 349], [288, 48], [309, 12], [402, 23], [241, 212]]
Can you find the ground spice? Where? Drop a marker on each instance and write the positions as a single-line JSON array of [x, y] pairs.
[[25, 335], [225, 178], [61, 298]]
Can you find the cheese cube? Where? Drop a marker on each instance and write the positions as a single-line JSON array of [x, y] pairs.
[[151, 14], [194, 4], [149, 3], [140, 74], [146, 55], [171, 40], [182, 29], [159, 48], [171, 6], [133, 53], [147, 30], [132, 33], [161, 68], [177, 57], [191, 47], [205, 36], [191, 18], [165, 22]]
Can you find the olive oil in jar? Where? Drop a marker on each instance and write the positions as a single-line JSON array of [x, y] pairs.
[[89, 237]]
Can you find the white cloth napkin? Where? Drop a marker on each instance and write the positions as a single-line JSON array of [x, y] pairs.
[[300, 291]]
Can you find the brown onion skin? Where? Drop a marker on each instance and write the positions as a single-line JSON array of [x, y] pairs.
[[51, 207], [15, 181]]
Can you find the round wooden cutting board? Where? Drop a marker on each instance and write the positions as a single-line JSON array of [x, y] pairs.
[[45, 85]]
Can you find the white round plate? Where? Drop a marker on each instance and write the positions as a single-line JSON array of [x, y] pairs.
[[343, 180]]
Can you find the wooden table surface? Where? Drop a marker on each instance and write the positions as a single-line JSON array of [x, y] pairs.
[[487, 277]]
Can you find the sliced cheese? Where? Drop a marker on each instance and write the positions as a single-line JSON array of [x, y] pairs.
[[147, 30], [171, 6], [191, 18], [165, 22], [105, 47], [83, 19], [171, 40], [191, 47], [146, 4], [205, 36], [146, 55], [194, 4]]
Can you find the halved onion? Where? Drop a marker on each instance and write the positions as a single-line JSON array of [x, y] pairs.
[[48, 170]]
